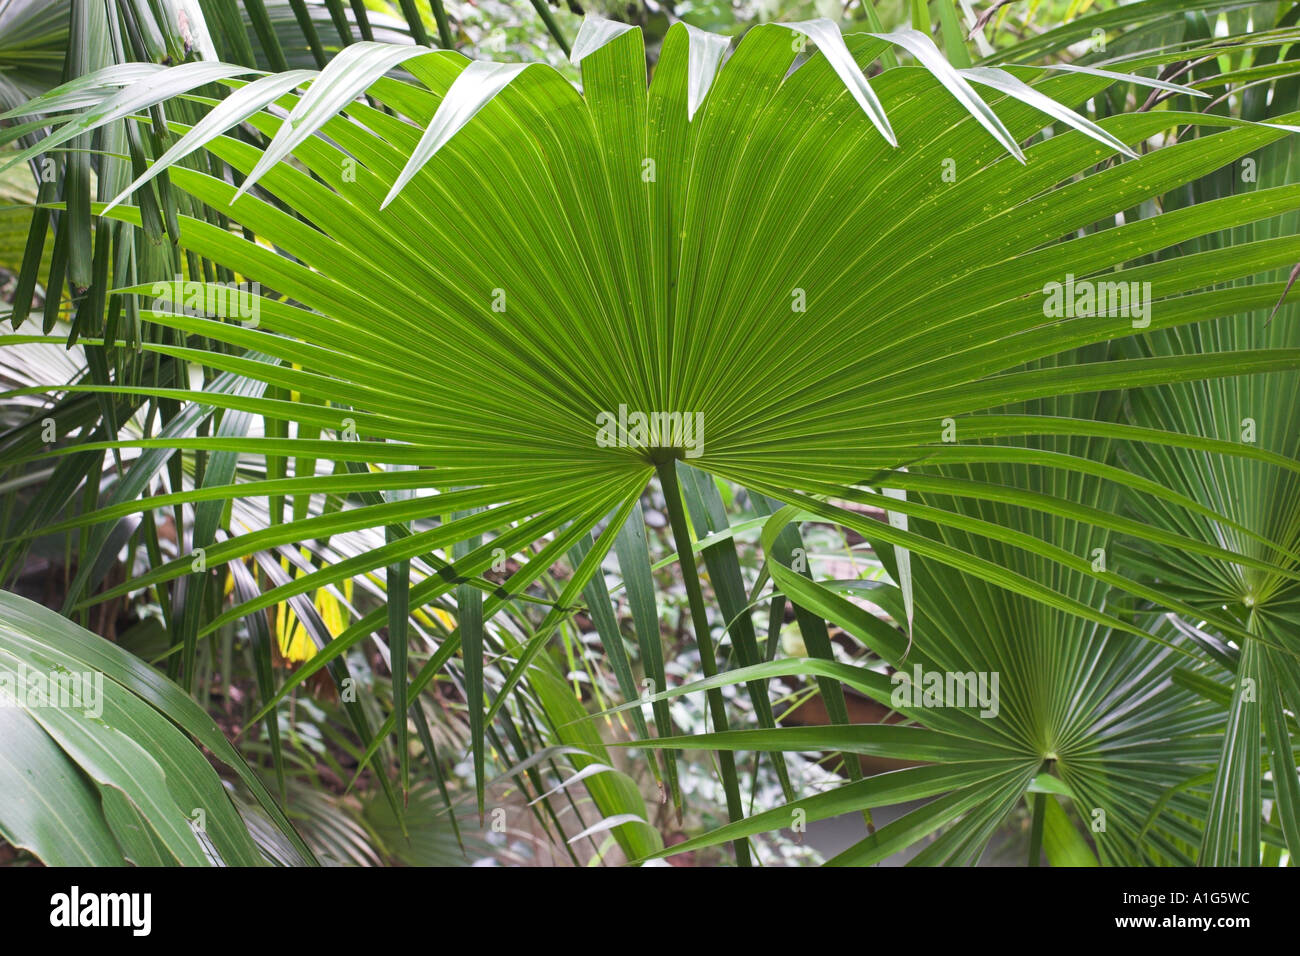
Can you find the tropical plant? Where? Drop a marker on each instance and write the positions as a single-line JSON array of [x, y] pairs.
[[488, 311], [1055, 708], [107, 777]]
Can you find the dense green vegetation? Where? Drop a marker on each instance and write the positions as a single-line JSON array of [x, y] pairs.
[[440, 433]]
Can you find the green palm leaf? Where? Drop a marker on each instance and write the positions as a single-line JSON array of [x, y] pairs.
[[478, 272], [1095, 710]]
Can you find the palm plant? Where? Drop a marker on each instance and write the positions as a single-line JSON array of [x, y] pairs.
[[1259, 496], [469, 270], [1071, 710]]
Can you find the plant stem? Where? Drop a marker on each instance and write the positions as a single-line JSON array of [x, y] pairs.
[[444, 25], [667, 470], [1036, 832]]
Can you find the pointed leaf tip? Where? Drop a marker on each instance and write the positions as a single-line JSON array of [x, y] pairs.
[[931, 57], [830, 41], [594, 33], [473, 89], [704, 52], [1004, 82], [235, 109], [344, 78]]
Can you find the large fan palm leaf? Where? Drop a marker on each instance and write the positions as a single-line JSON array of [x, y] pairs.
[[760, 256]]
